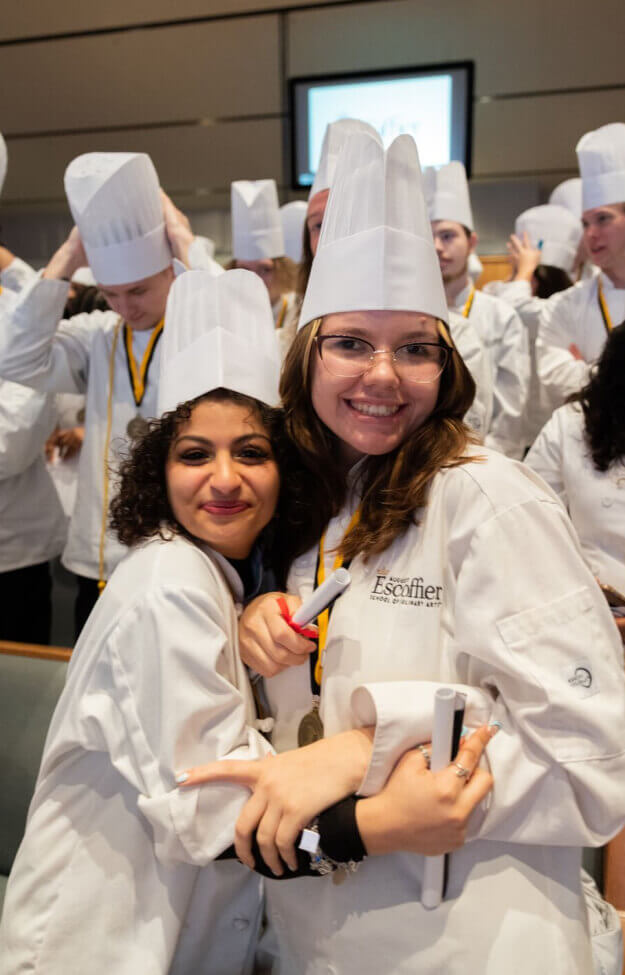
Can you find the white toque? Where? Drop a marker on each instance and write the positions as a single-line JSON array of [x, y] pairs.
[[447, 193], [84, 276], [115, 201], [375, 249], [569, 195], [555, 231], [256, 224], [601, 158], [293, 216], [219, 332], [335, 136], [4, 160]]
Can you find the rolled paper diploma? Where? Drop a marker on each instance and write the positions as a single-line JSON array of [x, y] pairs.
[[322, 596], [442, 732]]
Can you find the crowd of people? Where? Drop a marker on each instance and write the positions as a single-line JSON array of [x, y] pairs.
[[222, 789]]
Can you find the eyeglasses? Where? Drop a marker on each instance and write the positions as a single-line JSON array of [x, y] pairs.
[[348, 357]]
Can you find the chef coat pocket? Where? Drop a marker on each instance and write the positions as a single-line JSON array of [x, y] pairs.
[[563, 662]]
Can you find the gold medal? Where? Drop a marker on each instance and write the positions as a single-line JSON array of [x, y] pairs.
[[310, 728], [137, 427]]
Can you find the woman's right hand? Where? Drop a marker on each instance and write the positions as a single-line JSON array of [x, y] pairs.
[[267, 643], [419, 811]]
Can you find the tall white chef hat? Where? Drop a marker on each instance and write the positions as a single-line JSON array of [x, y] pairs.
[[84, 276], [557, 229], [601, 158], [375, 250], [4, 160], [293, 216], [219, 331], [569, 194], [116, 204], [335, 136], [256, 224], [447, 193]]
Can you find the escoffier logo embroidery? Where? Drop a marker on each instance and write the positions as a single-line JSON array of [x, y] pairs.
[[405, 590]]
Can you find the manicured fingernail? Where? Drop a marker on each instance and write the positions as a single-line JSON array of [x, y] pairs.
[[183, 777], [465, 731], [494, 727]]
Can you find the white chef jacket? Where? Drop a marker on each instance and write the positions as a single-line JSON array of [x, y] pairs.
[[74, 357], [506, 342], [574, 317], [32, 523], [472, 349], [529, 309], [594, 499], [32, 526], [17, 275], [490, 594], [287, 308], [115, 870]]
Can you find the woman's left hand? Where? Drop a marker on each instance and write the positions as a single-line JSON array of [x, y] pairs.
[[288, 791]]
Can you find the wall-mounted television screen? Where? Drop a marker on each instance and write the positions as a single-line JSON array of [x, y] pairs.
[[432, 104]]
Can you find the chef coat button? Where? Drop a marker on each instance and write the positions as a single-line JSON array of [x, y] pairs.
[[607, 502], [241, 923]]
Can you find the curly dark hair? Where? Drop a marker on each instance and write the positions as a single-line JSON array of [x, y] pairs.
[[141, 507], [550, 280], [603, 403]]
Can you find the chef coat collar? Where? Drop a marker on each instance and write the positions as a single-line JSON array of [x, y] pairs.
[[461, 298]]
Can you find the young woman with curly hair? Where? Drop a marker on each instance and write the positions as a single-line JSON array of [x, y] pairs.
[[580, 453]]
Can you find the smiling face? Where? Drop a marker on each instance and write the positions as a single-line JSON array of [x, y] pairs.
[[604, 237], [222, 478], [142, 303], [376, 412]]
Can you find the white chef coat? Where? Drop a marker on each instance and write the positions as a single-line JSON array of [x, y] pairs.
[[287, 309], [115, 871], [529, 309], [505, 339], [17, 275], [573, 317], [594, 499], [490, 593], [74, 357], [32, 526], [473, 351], [32, 523]]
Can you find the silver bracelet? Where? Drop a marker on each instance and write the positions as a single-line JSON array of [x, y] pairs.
[[319, 862]]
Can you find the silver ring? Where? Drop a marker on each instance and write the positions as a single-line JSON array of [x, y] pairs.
[[461, 771], [427, 754]]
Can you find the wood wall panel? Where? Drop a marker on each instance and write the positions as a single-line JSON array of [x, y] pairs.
[[226, 68], [529, 46], [34, 18], [188, 158], [525, 135]]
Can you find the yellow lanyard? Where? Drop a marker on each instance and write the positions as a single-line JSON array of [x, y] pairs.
[[138, 376], [466, 311], [603, 308], [324, 618], [280, 321], [107, 440]]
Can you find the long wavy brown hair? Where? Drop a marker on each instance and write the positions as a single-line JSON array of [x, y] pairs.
[[393, 486], [603, 403]]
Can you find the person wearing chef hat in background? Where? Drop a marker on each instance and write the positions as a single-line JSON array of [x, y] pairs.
[[32, 526], [568, 194], [293, 217], [258, 245], [113, 356], [500, 328], [543, 251], [14, 273], [574, 324], [372, 390], [465, 335]]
